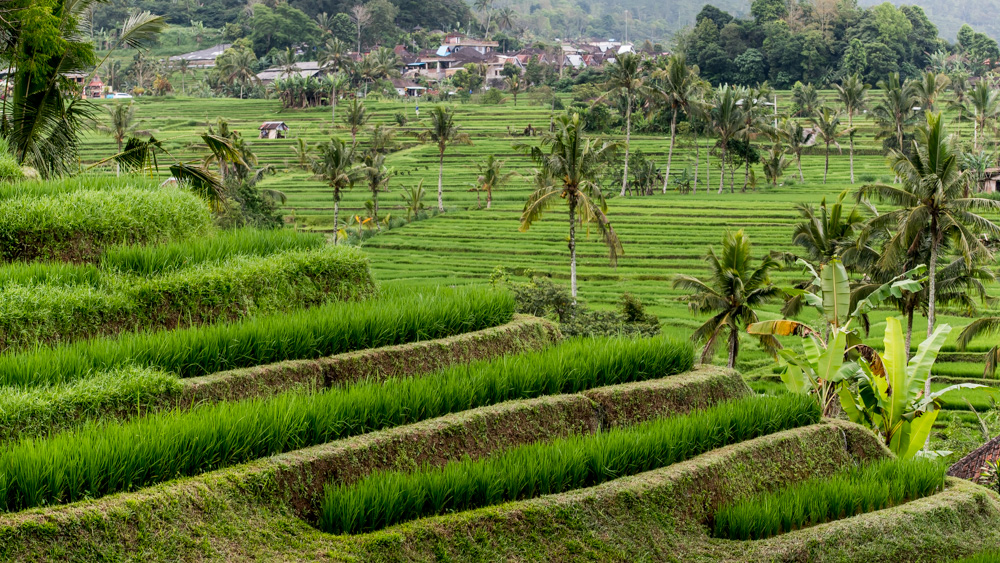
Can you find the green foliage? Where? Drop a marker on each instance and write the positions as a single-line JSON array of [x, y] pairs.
[[493, 97], [78, 224], [386, 498], [280, 26], [326, 330], [74, 465], [875, 486]]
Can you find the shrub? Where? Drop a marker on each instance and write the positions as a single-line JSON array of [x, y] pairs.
[[880, 484], [75, 226], [98, 459], [326, 330], [492, 96], [388, 497], [10, 170]]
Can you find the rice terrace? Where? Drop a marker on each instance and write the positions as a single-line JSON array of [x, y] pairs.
[[446, 281]]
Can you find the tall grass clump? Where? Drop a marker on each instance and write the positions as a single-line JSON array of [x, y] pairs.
[[99, 459], [332, 328], [78, 183], [49, 273], [390, 497], [76, 225], [154, 260], [877, 485], [238, 287]]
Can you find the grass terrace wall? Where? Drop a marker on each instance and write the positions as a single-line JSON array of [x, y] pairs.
[[241, 286], [75, 226]]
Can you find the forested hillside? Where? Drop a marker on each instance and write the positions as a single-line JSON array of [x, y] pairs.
[[949, 15]]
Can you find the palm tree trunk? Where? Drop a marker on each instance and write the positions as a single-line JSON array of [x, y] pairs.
[[670, 151], [798, 161], [375, 209], [628, 136], [850, 124], [732, 178], [572, 247], [722, 170], [697, 157], [826, 170], [746, 177], [734, 347], [489, 198], [333, 105], [440, 179], [336, 217]]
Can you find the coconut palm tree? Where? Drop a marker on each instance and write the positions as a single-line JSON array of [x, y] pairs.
[[805, 99], [184, 68], [513, 85], [240, 67], [624, 77], [444, 131], [377, 174], [827, 125], [568, 171], [288, 61], [335, 82], [895, 111], [121, 124], [853, 94], [726, 118], [673, 87], [356, 118], [792, 133], [733, 291], [335, 165], [984, 104], [491, 176], [929, 200], [960, 94], [928, 87]]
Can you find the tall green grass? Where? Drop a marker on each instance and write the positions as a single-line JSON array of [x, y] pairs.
[[77, 225], [147, 261], [49, 273], [81, 182], [99, 459], [988, 556], [390, 497], [204, 293], [877, 485], [329, 329]]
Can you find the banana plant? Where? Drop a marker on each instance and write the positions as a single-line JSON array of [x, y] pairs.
[[889, 395]]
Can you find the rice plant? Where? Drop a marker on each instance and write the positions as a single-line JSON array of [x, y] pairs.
[[389, 497], [147, 261], [98, 459], [875, 486], [329, 329]]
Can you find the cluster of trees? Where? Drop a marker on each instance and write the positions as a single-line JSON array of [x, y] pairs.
[[823, 41]]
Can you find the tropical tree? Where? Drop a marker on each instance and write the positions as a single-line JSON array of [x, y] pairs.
[[775, 164], [356, 118], [239, 66], [184, 68], [491, 176], [928, 87], [624, 78], [444, 131], [984, 104], [486, 8], [568, 171], [377, 175], [674, 87], [895, 111], [805, 99], [335, 82], [930, 200], [335, 165], [121, 124], [303, 153], [726, 119], [361, 15], [733, 291], [513, 85], [792, 133], [414, 199], [853, 94], [827, 125]]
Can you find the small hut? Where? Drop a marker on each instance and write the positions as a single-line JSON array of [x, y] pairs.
[[273, 130], [991, 180]]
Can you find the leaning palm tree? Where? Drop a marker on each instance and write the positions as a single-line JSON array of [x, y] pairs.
[[444, 131], [793, 135], [356, 118], [625, 79], [121, 124], [853, 93], [827, 124], [568, 172], [336, 166], [930, 200], [491, 176], [733, 291], [674, 87]]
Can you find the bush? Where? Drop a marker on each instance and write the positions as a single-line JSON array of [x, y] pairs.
[[880, 484], [326, 330], [99, 459], [386, 498], [492, 96], [75, 226], [10, 170]]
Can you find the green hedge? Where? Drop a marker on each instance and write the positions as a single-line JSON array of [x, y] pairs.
[[389, 497], [99, 459], [76, 225], [325, 330], [241, 286]]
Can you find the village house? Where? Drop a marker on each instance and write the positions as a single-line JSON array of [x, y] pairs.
[[94, 89], [302, 68], [273, 130], [204, 58], [408, 88]]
